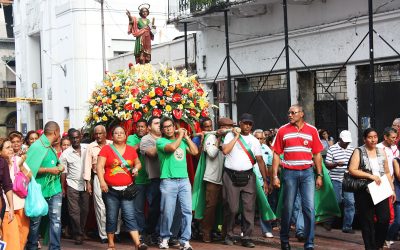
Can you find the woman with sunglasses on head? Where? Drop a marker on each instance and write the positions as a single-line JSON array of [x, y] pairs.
[[117, 166]]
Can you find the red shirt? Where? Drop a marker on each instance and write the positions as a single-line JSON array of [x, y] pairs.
[[297, 146], [114, 174]]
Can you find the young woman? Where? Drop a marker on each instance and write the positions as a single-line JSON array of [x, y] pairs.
[[15, 231], [373, 166]]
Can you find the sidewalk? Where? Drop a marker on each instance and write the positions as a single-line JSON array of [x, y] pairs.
[[324, 240]]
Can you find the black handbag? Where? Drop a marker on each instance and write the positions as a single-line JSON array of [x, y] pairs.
[[353, 184], [130, 192]]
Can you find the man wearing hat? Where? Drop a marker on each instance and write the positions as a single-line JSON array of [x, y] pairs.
[[337, 157], [212, 178], [242, 150]]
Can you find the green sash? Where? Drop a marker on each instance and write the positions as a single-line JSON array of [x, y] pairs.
[[247, 150]]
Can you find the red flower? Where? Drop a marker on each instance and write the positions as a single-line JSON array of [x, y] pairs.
[[192, 112], [194, 101], [204, 113], [128, 106], [159, 91], [135, 91], [130, 65], [137, 115], [177, 113], [176, 97], [185, 91], [200, 91], [157, 112], [145, 99]]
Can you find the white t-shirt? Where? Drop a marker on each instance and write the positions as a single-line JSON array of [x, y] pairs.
[[237, 159], [391, 153], [374, 166]]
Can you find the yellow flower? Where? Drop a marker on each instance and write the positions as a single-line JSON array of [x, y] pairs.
[[191, 105], [98, 98], [168, 108], [113, 97], [180, 106], [164, 82], [183, 101], [109, 112], [202, 104], [152, 93], [153, 102], [136, 105], [127, 116], [104, 118]]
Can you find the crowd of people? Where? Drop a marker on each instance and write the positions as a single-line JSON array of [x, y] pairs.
[[140, 183]]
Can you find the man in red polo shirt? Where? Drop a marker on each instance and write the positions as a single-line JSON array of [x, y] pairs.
[[300, 145]]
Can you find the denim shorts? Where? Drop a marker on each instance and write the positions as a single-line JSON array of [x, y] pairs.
[[113, 203]]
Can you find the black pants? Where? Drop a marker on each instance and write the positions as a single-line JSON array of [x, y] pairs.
[[373, 233]]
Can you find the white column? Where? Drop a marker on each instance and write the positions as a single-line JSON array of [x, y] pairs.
[[352, 103], [294, 87]]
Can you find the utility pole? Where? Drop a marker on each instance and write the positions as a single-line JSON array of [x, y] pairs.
[[228, 61], [285, 17], [371, 62], [186, 46], [103, 43]]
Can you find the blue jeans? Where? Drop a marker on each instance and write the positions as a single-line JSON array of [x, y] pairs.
[[348, 204], [140, 199], [54, 203], [304, 182], [395, 226], [114, 203], [173, 191], [297, 216]]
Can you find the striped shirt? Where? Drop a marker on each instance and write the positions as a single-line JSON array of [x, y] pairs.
[[338, 154], [297, 145]]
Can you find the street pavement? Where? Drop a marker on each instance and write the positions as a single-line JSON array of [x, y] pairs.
[[324, 240]]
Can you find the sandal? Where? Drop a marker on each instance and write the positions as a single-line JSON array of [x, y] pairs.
[[111, 248]]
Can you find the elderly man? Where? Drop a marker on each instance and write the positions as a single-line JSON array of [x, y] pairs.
[[242, 150], [300, 145], [213, 172], [45, 167], [92, 152]]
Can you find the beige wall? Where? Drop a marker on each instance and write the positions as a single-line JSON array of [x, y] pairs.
[[4, 111]]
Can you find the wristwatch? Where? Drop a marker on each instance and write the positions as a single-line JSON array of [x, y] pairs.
[[321, 175]]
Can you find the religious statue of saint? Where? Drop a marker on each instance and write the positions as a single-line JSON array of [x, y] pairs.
[[144, 31]]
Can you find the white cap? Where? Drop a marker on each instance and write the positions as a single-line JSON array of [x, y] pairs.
[[345, 135]]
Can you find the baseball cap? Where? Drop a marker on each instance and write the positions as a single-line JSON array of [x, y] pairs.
[[246, 117], [225, 121], [345, 135]]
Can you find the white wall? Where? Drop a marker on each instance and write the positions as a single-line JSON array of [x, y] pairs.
[[70, 33]]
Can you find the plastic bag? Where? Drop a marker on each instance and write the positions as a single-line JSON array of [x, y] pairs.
[[35, 204]]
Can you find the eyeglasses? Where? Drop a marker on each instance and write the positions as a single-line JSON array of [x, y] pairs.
[[169, 126], [293, 112]]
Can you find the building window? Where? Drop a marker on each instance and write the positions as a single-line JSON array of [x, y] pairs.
[[262, 83], [323, 81], [388, 72]]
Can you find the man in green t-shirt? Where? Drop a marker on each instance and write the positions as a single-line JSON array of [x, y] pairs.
[[141, 180], [43, 162], [175, 185]]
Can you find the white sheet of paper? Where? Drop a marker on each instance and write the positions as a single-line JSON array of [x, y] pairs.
[[381, 192]]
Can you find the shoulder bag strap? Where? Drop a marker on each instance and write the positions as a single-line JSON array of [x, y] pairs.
[[14, 159], [124, 162], [247, 150]]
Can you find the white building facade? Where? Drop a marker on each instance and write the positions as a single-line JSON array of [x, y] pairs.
[[59, 54], [323, 33]]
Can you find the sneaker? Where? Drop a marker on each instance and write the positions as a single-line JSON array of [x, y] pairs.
[[187, 246], [300, 237], [142, 246], [228, 241], [248, 243], [268, 235], [163, 244], [206, 238], [173, 242], [348, 231], [388, 243]]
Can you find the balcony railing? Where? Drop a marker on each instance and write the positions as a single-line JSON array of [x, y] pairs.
[[6, 93], [180, 9]]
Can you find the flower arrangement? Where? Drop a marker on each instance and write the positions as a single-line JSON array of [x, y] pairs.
[[143, 91]]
